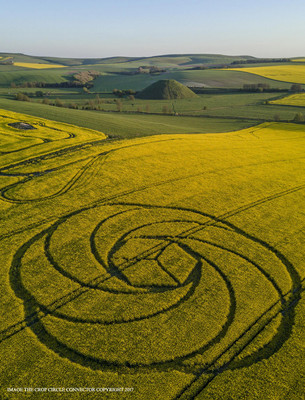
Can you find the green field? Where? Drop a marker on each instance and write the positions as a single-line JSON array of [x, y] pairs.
[[19, 75], [221, 112], [123, 125], [169, 265], [205, 78]]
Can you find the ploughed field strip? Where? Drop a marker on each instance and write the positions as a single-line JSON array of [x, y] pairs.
[[170, 264]]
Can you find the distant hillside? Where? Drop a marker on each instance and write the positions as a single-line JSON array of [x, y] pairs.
[[136, 73], [166, 89], [169, 60]]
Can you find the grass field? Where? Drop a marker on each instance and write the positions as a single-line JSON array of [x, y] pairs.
[[9, 75], [221, 112], [122, 125], [205, 78], [285, 73], [169, 265]]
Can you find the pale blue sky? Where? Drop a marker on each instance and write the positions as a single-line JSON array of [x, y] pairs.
[[98, 28]]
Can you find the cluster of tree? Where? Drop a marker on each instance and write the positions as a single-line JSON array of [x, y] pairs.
[[260, 61], [151, 69], [256, 87], [299, 117], [66, 84], [141, 70], [296, 87], [148, 69], [124, 92], [83, 78], [59, 103], [6, 62], [22, 97], [38, 93], [201, 67], [167, 109], [27, 97], [27, 85]]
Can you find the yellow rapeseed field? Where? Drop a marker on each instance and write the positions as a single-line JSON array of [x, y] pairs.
[[37, 65], [169, 266], [285, 73], [297, 99]]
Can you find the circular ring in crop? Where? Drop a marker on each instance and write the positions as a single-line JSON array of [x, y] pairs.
[[139, 286]]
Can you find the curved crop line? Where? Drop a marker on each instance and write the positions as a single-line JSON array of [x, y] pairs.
[[72, 182], [53, 154], [23, 148], [76, 292], [180, 236], [200, 382], [86, 286], [295, 277], [93, 283], [260, 269], [98, 321], [34, 318], [172, 362], [215, 221], [291, 270], [75, 147]]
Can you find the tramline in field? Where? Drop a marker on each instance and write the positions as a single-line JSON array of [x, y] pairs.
[[183, 277]]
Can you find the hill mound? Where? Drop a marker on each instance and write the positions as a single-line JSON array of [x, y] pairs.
[[165, 90]]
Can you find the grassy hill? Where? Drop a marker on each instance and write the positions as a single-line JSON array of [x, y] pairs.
[[165, 90]]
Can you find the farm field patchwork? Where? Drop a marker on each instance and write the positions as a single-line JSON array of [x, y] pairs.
[[170, 265], [285, 73]]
